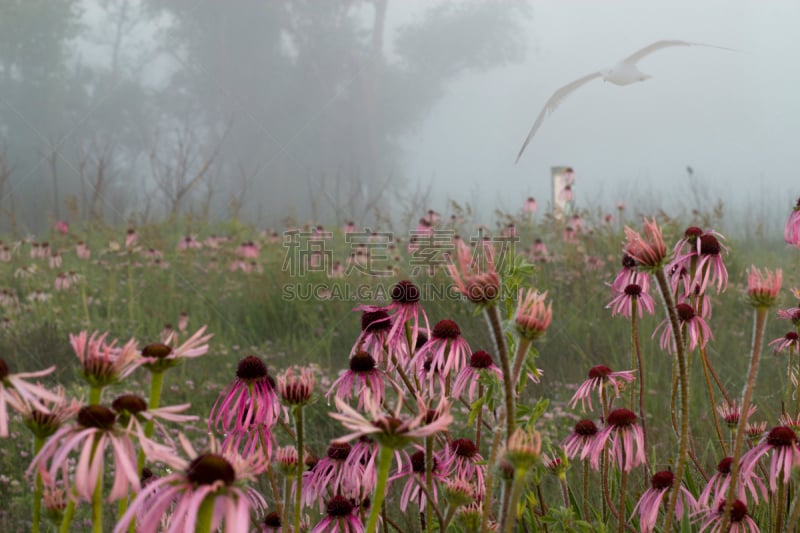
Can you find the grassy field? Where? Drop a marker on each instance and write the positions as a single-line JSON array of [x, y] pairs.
[[257, 306]]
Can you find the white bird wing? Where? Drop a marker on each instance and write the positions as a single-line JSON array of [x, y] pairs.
[[553, 103], [658, 45]]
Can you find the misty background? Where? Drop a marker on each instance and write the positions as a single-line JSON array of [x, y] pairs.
[[326, 111]]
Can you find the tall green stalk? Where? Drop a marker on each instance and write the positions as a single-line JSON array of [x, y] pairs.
[[760, 322], [493, 317], [204, 515], [298, 498], [384, 465], [38, 442], [156, 384], [683, 377]]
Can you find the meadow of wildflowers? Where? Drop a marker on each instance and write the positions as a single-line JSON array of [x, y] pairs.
[[585, 372]]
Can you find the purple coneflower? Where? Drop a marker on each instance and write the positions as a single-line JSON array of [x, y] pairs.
[[93, 435], [249, 400], [705, 250], [791, 232], [25, 392], [45, 423], [463, 461], [468, 378], [763, 287], [650, 502], [341, 516], [630, 275], [599, 377], [333, 474], [132, 413], [295, 386], [717, 486], [649, 251], [447, 349], [787, 342], [732, 412], [475, 275], [624, 438], [782, 442], [160, 356], [530, 205], [696, 328], [581, 440], [362, 374], [533, 317], [218, 482], [414, 472], [711, 519], [103, 363], [390, 430], [622, 303]]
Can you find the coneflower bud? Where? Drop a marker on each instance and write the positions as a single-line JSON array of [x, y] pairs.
[[524, 448], [458, 492], [763, 288]]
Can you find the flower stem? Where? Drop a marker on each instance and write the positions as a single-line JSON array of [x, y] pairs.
[[564, 490], [493, 316], [622, 486], [585, 489], [156, 383], [760, 322], [97, 496], [780, 507], [490, 478], [298, 420], [637, 348], [794, 518], [95, 392], [204, 515], [516, 492], [663, 285], [384, 464], [69, 512], [519, 358], [38, 442], [429, 481]]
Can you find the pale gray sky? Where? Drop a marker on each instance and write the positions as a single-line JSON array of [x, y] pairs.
[[734, 117]]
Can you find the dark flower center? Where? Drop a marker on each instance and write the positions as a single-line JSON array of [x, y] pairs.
[[388, 424], [685, 312], [209, 468], [692, 232], [781, 436], [633, 290], [621, 417], [374, 321], [662, 480], [339, 506], [628, 261], [446, 329], [338, 451], [157, 350], [147, 475], [418, 462], [480, 359], [709, 245], [96, 416], [272, 519], [130, 403], [599, 371], [251, 368], [421, 340], [405, 292], [791, 336], [464, 448], [362, 362], [586, 428], [738, 510], [3, 370], [724, 466]]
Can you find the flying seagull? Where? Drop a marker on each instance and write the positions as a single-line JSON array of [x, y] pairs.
[[623, 73]]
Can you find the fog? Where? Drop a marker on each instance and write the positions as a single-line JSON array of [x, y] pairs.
[[131, 112]]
